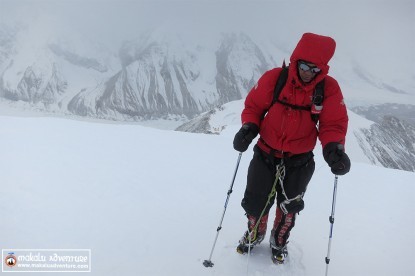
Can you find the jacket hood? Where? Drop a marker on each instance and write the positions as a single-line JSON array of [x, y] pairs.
[[314, 48]]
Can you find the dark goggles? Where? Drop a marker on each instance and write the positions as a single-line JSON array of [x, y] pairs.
[[305, 67]]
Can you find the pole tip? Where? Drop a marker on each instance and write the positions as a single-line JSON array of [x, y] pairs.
[[208, 263]]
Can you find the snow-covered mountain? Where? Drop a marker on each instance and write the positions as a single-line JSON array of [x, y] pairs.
[[162, 76], [390, 143], [166, 74], [377, 113], [47, 73], [180, 70]]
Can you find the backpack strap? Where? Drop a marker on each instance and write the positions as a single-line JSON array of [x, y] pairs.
[[282, 79], [317, 101]]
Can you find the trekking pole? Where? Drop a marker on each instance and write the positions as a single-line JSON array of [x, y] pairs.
[[331, 219], [208, 263]]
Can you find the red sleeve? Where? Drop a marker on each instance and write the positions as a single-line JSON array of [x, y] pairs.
[[333, 119], [260, 97]]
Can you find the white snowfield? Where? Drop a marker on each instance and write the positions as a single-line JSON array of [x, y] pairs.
[[148, 202]]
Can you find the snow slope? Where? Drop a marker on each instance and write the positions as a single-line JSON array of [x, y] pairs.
[[148, 202]]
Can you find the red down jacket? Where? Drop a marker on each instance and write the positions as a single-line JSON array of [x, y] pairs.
[[293, 130]]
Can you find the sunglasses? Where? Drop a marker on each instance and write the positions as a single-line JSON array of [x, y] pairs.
[[305, 67]]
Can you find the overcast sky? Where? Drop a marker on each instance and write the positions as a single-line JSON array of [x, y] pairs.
[[373, 28], [125, 18]]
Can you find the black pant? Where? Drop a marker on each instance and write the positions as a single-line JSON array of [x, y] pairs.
[[261, 176]]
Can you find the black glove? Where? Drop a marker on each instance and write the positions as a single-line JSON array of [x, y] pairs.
[[245, 136], [337, 159]]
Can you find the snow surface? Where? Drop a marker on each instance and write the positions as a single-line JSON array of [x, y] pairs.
[[148, 202]]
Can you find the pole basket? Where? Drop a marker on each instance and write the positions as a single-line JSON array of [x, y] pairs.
[[208, 263]]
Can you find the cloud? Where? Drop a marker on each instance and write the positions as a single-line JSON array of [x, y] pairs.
[[377, 33]]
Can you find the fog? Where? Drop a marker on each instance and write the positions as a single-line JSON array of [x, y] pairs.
[[379, 34], [123, 19]]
